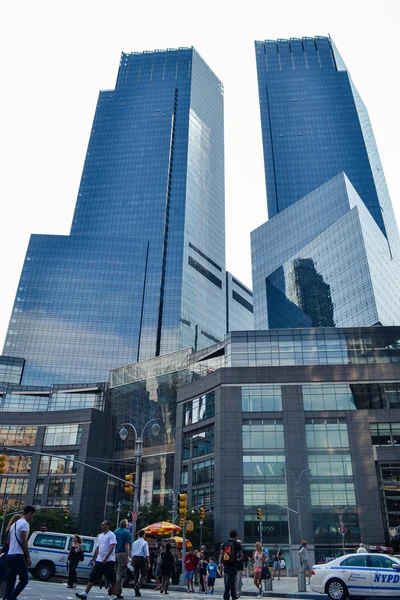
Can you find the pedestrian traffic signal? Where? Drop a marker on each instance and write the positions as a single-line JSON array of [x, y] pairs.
[[259, 514], [129, 484], [66, 513], [202, 513], [3, 458], [182, 504], [181, 522]]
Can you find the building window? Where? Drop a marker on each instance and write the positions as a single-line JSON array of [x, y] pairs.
[[203, 497], [389, 483], [11, 435], [63, 435], [57, 466], [61, 489], [184, 475], [75, 401], [198, 443], [260, 494], [330, 465], [199, 409], [18, 464], [385, 434], [13, 486], [263, 466], [260, 434], [261, 398], [327, 433], [25, 403], [203, 471], [332, 494], [327, 397]]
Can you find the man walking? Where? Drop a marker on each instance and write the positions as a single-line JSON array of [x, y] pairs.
[[103, 562], [18, 557], [140, 561], [239, 572], [304, 560], [231, 553], [122, 554]]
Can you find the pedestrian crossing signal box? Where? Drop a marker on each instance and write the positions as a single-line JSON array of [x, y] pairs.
[[189, 526]]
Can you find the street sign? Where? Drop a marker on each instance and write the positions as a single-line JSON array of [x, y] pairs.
[[135, 516]]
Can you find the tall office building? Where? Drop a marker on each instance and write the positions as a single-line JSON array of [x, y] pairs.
[[329, 254], [142, 272]]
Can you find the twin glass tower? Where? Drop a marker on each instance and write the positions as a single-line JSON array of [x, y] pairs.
[[142, 272]]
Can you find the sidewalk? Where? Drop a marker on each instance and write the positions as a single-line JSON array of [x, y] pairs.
[[285, 588]]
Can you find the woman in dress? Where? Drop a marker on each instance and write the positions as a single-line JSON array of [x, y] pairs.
[[260, 559], [167, 568], [73, 559]]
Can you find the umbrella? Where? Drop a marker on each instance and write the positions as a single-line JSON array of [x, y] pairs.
[[179, 541], [162, 528]]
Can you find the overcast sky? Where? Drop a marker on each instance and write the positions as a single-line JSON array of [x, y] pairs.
[[56, 56]]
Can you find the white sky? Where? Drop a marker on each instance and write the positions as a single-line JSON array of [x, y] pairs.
[[57, 55]]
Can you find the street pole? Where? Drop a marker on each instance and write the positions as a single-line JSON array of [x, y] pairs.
[[118, 511], [138, 456], [201, 532]]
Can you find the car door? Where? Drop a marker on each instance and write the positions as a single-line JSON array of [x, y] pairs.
[[356, 574], [385, 579]]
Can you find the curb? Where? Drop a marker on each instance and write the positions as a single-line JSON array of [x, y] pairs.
[[269, 594]]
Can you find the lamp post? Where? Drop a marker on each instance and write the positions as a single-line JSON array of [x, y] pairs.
[[341, 523], [123, 434], [297, 494], [201, 521]]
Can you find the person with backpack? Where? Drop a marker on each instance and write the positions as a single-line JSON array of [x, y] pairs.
[[231, 553], [260, 560], [18, 557], [277, 557], [75, 555]]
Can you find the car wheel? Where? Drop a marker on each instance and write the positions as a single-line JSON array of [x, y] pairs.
[[44, 571], [336, 590]]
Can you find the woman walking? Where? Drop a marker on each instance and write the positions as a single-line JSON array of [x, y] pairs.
[[203, 563], [4, 552], [74, 556], [260, 560], [167, 568]]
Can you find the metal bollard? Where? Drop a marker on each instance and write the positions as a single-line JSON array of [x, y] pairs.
[[301, 581], [268, 585]]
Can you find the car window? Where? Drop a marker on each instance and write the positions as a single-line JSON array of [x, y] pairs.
[[381, 562], [87, 545], [47, 540], [355, 561]]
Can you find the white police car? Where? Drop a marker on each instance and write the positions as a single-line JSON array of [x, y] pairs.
[[355, 575]]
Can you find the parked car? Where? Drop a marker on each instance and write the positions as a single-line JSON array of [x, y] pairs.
[[49, 553], [357, 575]]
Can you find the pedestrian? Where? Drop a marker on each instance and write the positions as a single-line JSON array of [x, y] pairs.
[[212, 571], [75, 555], [103, 562], [231, 552], [277, 556], [304, 561], [157, 572], [362, 549], [18, 557], [4, 552], [190, 567], [203, 562], [140, 561], [196, 571], [239, 573], [167, 568], [122, 555], [260, 559], [204, 550]]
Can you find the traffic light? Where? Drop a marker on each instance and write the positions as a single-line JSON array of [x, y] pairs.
[[202, 513], [181, 522], [3, 463], [129, 484], [1, 514], [182, 504], [259, 513], [66, 513]]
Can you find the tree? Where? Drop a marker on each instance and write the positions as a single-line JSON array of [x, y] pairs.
[[151, 513], [54, 520]]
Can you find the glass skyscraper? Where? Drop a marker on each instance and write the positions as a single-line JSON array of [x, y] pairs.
[[142, 272], [329, 254]]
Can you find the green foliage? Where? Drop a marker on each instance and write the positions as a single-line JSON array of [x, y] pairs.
[[53, 519], [194, 536], [151, 513]]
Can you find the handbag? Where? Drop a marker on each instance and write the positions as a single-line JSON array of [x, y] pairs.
[[265, 574]]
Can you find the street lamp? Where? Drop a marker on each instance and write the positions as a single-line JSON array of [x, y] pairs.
[[297, 494], [341, 523], [201, 513], [123, 434]]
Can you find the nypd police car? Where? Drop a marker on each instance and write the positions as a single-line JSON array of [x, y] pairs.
[[355, 575]]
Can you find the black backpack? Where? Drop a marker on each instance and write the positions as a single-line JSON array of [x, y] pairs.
[[228, 553]]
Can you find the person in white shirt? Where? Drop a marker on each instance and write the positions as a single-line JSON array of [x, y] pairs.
[[103, 562], [362, 549], [18, 557], [140, 561]]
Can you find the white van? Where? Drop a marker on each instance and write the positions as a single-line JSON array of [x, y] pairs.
[[49, 553]]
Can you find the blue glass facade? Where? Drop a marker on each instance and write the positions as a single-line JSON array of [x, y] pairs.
[[326, 262], [239, 305], [142, 272]]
